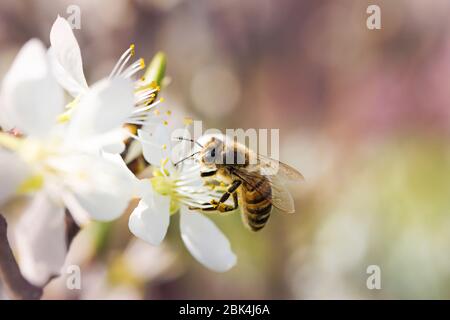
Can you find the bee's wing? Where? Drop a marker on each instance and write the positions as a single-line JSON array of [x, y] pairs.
[[281, 197], [271, 167]]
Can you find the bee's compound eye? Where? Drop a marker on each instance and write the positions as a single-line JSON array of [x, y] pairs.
[[213, 153]]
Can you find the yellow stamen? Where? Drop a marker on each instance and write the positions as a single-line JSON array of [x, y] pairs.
[[72, 103], [142, 63], [168, 112], [132, 46], [156, 112], [188, 121], [31, 184], [164, 162], [164, 146], [165, 123], [63, 118]]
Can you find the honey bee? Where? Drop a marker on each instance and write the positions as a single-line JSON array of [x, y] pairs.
[[254, 181]]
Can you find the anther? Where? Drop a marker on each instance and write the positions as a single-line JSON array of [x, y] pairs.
[[187, 121]]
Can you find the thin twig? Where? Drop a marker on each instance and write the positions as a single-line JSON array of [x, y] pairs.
[[72, 229]]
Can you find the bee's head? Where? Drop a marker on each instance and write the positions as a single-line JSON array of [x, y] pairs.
[[212, 153]]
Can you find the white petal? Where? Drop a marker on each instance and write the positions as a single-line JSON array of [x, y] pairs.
[[137, 184], [6, 123], [105, 107], [99, 188], [115, 148], [205, 241], [100, 206], [66, 57], [155, 144], [111, 141], [31, 97], [79, 214], [151, 218], [40, 240], [12, 172], [64, 79]]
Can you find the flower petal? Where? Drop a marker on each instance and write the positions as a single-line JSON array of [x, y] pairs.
[[40, 240], [151, 218], [205, 241], [104, 108], [6, 123], [12, 172], [31, 98], [99, 189], [115, 148], [155, 143], [66, 58]]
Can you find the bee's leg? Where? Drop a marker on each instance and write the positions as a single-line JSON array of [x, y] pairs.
[[235, 200], [207, 173], [220, 205], [222, 208], [210, 208], [231, 189], [216, 206]]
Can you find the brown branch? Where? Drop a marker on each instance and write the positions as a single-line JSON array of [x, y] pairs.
[[72, 229], [16, 285]]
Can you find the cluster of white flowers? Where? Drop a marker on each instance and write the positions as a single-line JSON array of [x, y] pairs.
[[64, 155]]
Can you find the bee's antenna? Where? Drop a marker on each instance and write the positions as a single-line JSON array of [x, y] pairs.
[[190, 140], [178, 162]]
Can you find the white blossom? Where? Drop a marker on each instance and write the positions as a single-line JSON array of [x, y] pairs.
[[55, 165], [67, 65], [174, 189]]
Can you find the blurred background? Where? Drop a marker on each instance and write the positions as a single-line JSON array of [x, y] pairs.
[[363, 114]]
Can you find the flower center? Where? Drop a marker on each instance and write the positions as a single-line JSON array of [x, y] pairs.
[[40, 158], [166, 186], [163, 185]]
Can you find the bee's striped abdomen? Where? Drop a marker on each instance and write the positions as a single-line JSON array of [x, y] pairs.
[[257, 203]]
